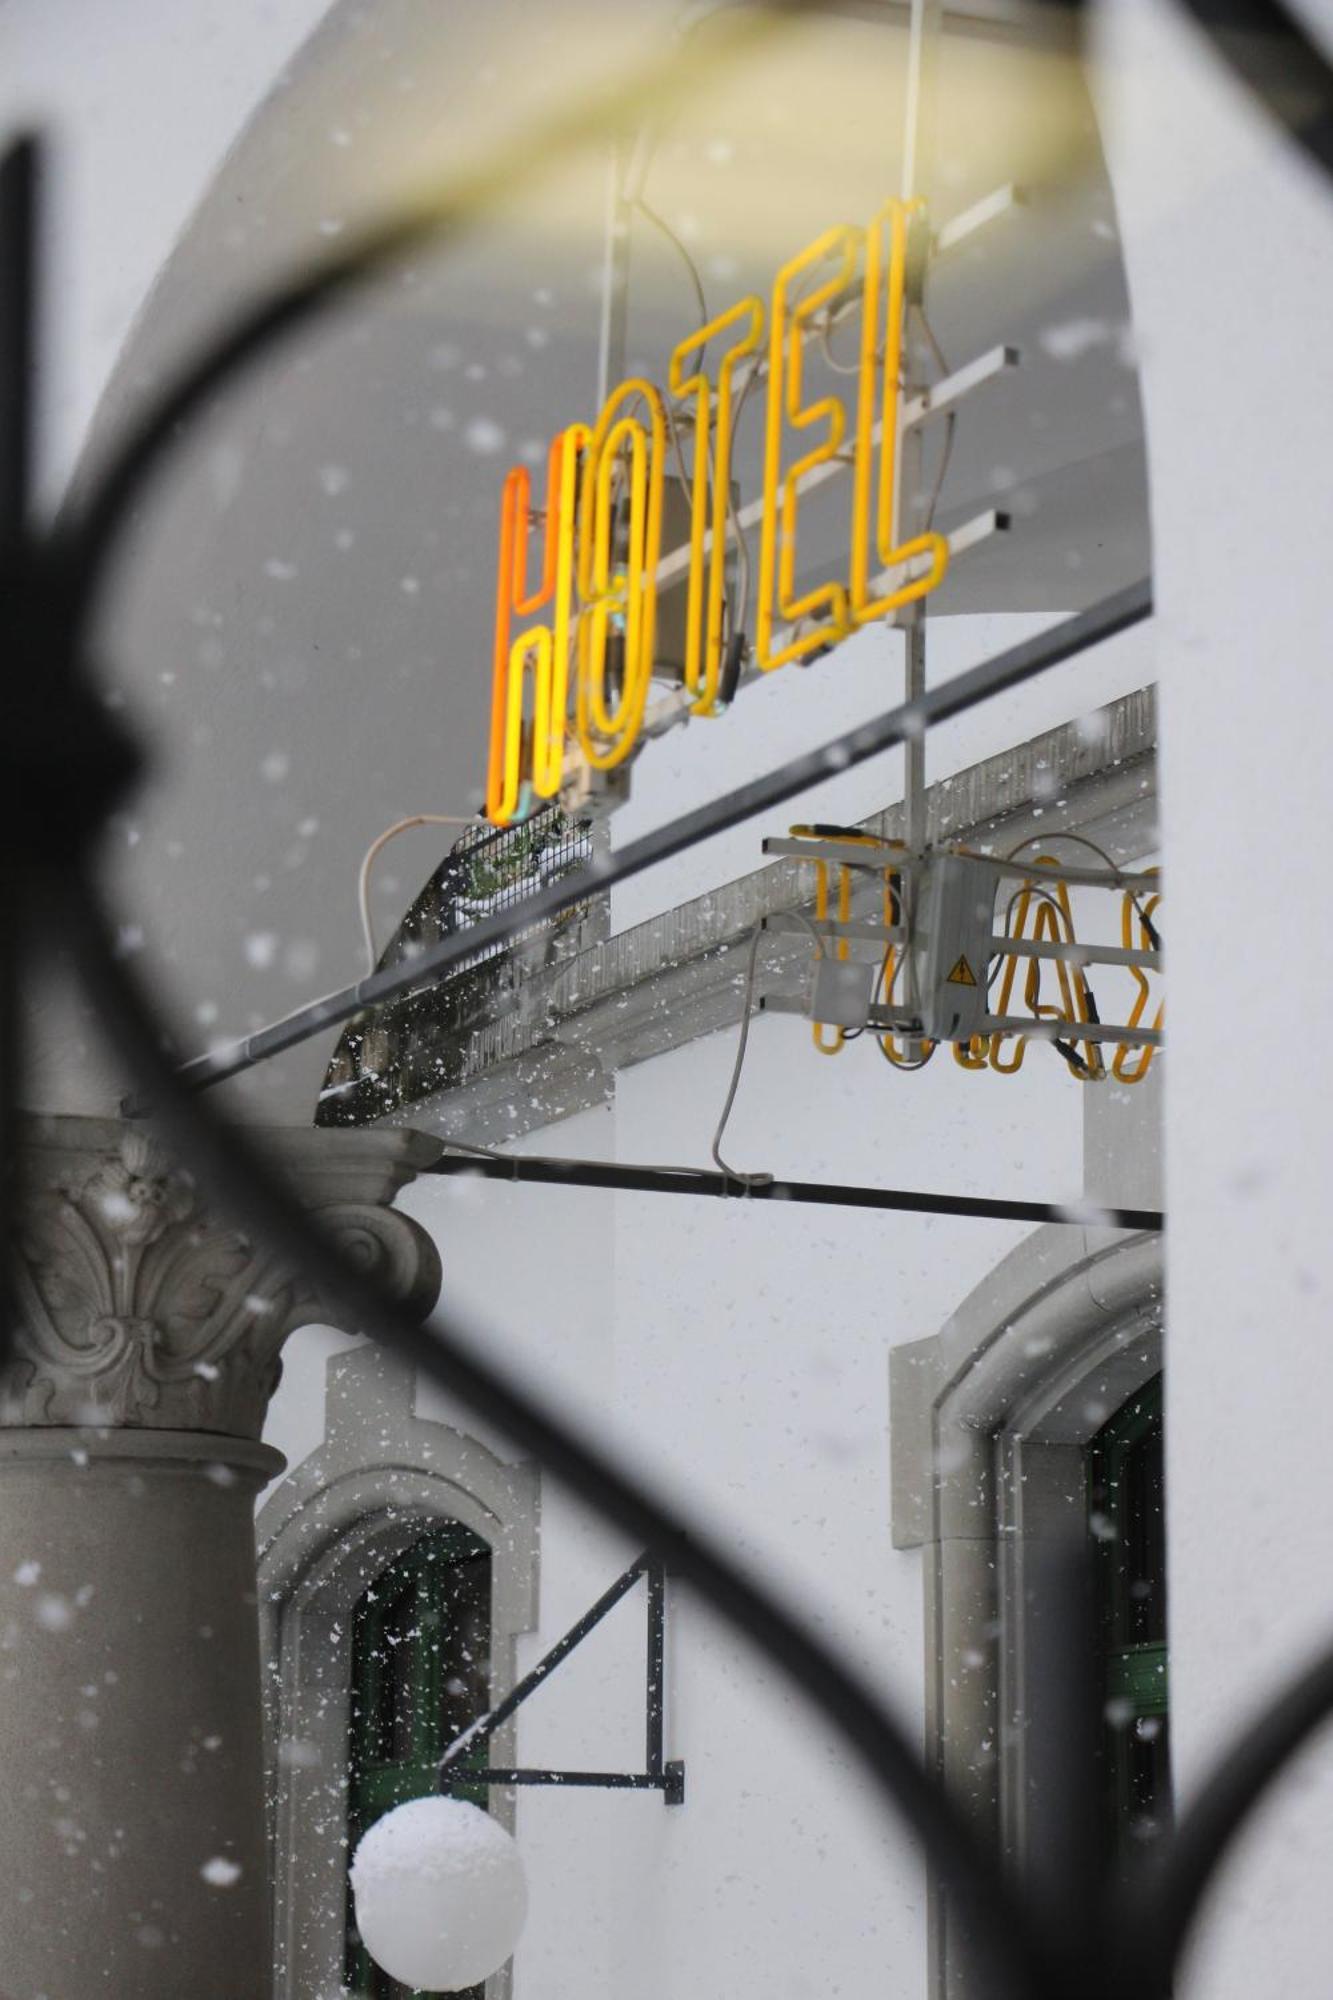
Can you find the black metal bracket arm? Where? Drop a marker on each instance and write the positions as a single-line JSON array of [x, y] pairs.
[[659, 1775], [548, 1172]]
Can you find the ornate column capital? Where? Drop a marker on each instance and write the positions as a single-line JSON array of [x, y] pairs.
[[140, 1306]]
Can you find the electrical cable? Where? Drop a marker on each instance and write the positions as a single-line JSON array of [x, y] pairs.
[[368, 861], [651, 215], [950, 426], [736, 624], [1118, 873], [823, 328], [950, 423], [1035, 890], [635, 176], [742, 541], [742, 1043]]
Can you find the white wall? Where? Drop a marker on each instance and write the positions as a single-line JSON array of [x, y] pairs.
[[738, 1353], [1230, 248]]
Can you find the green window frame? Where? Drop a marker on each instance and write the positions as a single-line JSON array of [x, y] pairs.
[[1127, 1520], [421, 1669]]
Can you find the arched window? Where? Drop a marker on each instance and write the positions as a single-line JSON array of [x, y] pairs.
[[397, 1569], [1127, 1516], [996, 1422], [421, 1666]]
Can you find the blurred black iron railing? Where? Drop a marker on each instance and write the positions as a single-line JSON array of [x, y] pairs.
[[1068, 1932]]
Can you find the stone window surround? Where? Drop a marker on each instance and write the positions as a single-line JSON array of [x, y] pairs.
[[381, 1477], [989, 1421]]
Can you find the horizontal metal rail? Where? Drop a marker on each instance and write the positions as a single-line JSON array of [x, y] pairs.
[[938, 400], [666, 1781], [852, 929], [674, 709], [1071, 1031], [549, 1172], [895, 858], [898, 1021], [864, 931], [1076, 954]]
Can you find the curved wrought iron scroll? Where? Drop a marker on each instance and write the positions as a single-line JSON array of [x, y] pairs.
[[1067, 1934]]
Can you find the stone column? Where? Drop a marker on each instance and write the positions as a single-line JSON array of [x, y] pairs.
[[132, 1841]]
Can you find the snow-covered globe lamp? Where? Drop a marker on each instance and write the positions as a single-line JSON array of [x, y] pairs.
[[440, 1894]]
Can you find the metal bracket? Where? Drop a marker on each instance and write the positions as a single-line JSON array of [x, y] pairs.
[[662, 1776]]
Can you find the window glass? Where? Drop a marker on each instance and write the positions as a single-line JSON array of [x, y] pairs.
[[420, 1675], [1127, 1517]]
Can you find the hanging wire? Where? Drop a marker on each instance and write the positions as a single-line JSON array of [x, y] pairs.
[[372, 853], [749, 1180]]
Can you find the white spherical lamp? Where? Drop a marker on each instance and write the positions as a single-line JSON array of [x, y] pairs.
[[440, 1894]]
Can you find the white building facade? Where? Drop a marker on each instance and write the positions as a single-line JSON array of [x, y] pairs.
[[883, 1412]]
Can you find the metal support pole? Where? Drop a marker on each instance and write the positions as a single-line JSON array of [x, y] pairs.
[[595, 920], [656, 1652], [920, 123], [546, 1172], [919, 134]]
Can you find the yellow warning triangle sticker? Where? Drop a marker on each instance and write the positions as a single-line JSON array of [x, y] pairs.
[[962, 975]]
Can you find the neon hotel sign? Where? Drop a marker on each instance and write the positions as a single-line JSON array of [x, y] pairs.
[[574, 645]]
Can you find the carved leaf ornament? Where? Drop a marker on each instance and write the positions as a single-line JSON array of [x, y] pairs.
[[136, 1307]]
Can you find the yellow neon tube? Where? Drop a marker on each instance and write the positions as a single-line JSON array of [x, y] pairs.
[[1017, 929], [552, 705], [888, 1044], [501, 735], [1132, 1065], [777, 553], [532, 646], [1053, 919], [834, 1047], [609, 730], [703, 656], [894, 217], [514, 600]]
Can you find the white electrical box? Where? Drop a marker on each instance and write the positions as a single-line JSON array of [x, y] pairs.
[[842, 992], [953, 927]]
